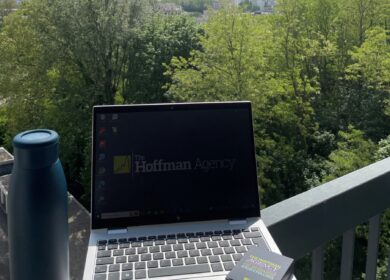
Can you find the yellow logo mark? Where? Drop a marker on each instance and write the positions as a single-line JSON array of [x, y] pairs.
[[122, 164], [246, 278]]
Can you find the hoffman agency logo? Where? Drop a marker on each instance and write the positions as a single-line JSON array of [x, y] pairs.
[[138, 164]]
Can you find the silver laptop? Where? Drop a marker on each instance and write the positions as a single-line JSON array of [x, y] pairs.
[[174, 191]]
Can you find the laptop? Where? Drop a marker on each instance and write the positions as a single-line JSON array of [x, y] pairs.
[[174, 191]]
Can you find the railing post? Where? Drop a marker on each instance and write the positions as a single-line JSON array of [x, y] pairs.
[[372, 250], [347, 254], [317, 262]]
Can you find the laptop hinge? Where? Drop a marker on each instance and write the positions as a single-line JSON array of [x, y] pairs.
[[116, 230], [238, 222]]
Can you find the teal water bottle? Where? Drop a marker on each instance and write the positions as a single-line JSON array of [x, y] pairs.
[[37, 209]]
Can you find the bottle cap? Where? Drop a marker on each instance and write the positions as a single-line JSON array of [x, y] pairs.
[[36, 148]]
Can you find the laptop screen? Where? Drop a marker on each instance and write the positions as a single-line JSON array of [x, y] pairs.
[[167, 163]]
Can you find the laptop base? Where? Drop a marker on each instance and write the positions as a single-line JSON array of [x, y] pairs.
[[128, 266]]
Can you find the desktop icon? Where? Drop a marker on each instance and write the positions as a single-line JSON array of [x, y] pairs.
[[122, 164]]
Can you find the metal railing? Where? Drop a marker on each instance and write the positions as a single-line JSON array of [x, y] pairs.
[[308, 221]]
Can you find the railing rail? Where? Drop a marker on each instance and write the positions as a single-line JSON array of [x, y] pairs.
[[305, 222]]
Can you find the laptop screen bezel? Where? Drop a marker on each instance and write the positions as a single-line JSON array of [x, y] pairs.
[[112, 109]]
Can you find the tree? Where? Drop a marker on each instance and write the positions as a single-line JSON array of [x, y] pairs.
[[225, 66], [95, 36], [6, 7], [344, 96], [239, 60], [59, 58], [195, 5], [353, 152], [23, 81], [371, 60], [156, 40]]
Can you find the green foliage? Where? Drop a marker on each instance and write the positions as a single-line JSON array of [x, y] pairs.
[[248, 6], [353, 152], [23, 81], [59, 58], [6, 7], [316, 71], [372, 60], [383, 150], [157, 39], [311, 73], [302, 267], [195, 5], [356, 17], [94, 36], [384, 246], [226, 66], [239, 61], [308, 78], [3, 128], [191, 6]]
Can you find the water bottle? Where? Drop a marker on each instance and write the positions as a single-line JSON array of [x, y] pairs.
[[37, 205]]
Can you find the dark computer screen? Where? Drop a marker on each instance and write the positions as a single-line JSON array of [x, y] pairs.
[[173, 162]]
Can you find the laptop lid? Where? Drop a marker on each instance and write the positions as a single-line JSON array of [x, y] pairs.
[[166, 163]]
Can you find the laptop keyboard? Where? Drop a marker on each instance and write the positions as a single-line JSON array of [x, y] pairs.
[[173, 254]]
